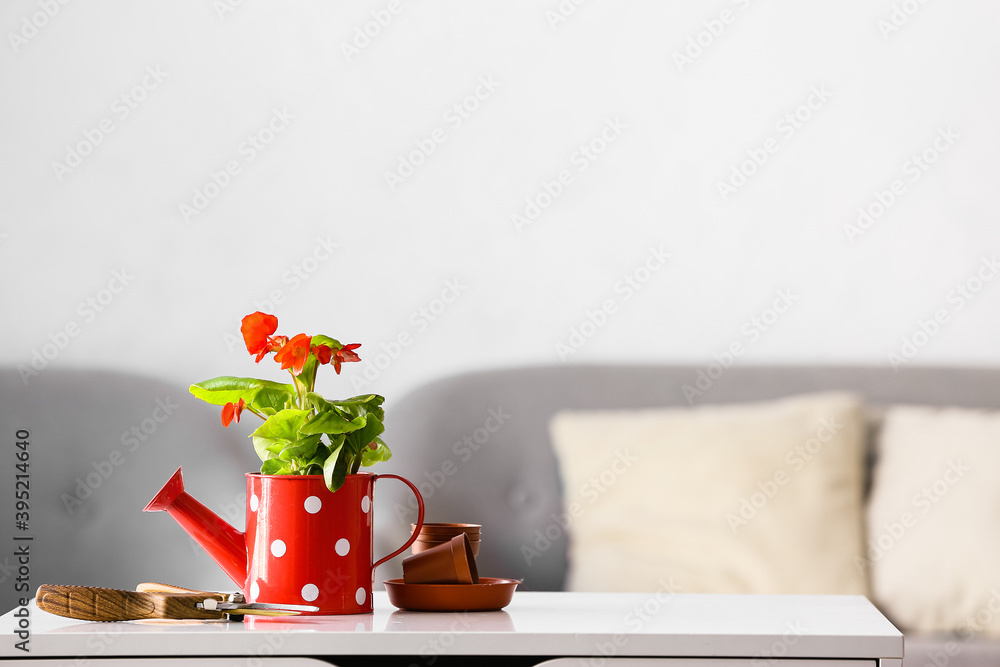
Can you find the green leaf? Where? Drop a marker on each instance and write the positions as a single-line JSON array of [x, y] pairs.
[[364, 399], [362, 437], [275, 467], [331, 422], [260, 445], [355, 407], [320, 339], [278, 432], [370, 457], [335, 440], [300, 450], [262, 395], [335, 467], [283, 425], [368, 404]]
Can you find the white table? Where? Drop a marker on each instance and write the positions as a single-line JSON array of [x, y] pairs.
[[689, 630]]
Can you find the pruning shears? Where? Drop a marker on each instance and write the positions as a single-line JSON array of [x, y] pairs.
[[152, 600]]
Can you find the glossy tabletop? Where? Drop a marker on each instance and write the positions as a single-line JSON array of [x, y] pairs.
[[537, 624]]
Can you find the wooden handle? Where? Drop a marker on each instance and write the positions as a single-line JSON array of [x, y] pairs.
[[154, 587], [108, 604]]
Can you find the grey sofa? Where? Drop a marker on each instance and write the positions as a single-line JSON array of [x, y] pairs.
[[86, 500], [476, 443], [478, 446]]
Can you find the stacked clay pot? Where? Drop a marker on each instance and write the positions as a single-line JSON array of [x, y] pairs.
[[434, 534]]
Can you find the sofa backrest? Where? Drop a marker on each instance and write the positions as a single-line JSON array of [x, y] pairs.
[[101, 444], [477, 444]]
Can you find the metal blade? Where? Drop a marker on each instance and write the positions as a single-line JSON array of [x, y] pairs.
[[252, 607], [154, 587]]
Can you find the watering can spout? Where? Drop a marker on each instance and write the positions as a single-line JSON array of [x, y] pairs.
[[224, 544]]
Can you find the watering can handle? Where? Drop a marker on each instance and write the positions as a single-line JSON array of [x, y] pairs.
[[420, 518]]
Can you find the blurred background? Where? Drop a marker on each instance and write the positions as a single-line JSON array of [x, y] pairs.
[[467, 185], [169, 168]]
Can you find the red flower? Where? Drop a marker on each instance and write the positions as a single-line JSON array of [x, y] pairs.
[[231, 411], [323, 353], [294, 353], [257, 329], [344, 355]]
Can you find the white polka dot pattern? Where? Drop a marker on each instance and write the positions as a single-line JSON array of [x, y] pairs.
[[310, 592], [313, 504], [278, 548], [324, 519]]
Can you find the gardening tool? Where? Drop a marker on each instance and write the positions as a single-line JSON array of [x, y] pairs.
[[151, 600]]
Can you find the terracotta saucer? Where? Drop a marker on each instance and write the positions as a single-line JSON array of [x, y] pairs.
[[489, 594]]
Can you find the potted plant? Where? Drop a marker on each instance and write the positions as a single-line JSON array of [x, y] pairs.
[[309, 519], [296, 418]]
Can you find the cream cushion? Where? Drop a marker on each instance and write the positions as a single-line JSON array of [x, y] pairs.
[[747, 498], [934, 520]]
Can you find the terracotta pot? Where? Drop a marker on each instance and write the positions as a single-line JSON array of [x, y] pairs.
[[451, 562], [448, 529], [419, 545], [434, 541]]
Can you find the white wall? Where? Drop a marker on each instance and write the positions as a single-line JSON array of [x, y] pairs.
[[679, 129]]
